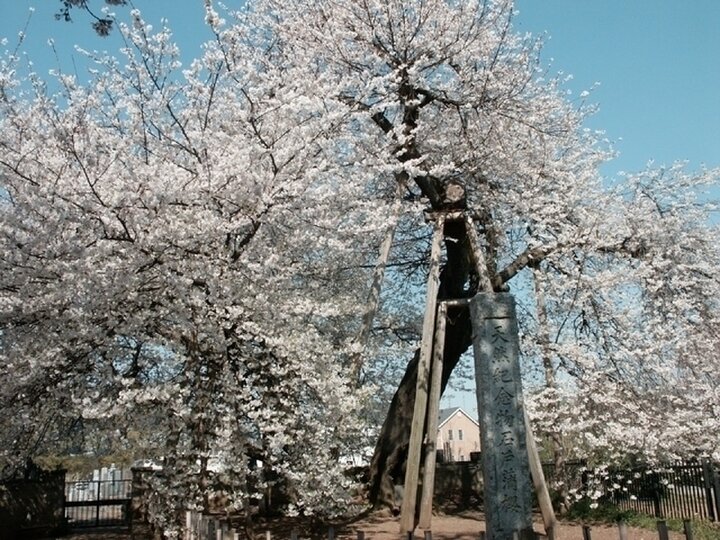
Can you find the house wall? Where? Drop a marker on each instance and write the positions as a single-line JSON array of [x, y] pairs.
[[457, 437]]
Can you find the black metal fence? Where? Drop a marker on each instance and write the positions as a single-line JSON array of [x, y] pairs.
[[688, 490], [98, 503]]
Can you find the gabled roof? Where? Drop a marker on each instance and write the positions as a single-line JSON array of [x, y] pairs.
[[447, 414]]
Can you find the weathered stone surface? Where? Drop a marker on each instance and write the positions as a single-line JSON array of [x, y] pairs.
[[508, 493]]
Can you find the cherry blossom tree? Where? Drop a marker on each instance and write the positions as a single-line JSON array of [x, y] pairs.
[[165, 238], [458, 100], [629, 329], [202, 242]]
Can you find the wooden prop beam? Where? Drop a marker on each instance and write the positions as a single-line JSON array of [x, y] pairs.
[[538, 478], [412, 468], [478, 256], [433, 414]]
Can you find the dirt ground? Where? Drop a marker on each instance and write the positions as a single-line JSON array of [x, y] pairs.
[[467, 526], [464, 526]]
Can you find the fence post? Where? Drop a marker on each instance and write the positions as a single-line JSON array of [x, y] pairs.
[[361, 535], [622, 530], [331, 533], [716, 489], [707, 481], [586, 532], [225, 528], [656, 484], [688, 529], [662, 529]]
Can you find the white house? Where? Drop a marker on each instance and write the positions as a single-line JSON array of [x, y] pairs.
[[458, 434]]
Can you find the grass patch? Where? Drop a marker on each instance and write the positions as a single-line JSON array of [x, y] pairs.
[[607, 513]]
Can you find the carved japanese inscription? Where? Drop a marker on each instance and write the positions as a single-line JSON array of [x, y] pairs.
[[508, 495]]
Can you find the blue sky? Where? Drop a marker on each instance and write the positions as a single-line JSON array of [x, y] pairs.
[[658, 65], [657, 62]]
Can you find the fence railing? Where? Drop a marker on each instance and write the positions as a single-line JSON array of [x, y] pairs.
[[200, 526], [680, 490], [95, 503], [685, 490]]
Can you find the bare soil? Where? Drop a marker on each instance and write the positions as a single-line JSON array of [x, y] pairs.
[[467, 526], [463, 526]]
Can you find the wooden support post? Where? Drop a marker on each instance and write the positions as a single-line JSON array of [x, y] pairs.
[[586, 532], [373, 300], [662, 529], [433, 413], [412, 468], [457, 302], [478, 256], [447, 216], [361, 535], [538, 478]]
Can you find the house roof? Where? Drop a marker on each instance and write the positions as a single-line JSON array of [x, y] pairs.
[[446, 414]]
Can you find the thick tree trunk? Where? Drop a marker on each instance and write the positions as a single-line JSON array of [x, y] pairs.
[[388, 464]]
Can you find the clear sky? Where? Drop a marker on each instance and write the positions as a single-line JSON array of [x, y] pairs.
[[657, 62]]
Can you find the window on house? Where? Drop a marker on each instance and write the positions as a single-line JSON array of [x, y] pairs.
[[449, 434], [459, 434]]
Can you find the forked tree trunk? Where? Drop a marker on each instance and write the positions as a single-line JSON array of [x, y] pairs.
[[388, 464]]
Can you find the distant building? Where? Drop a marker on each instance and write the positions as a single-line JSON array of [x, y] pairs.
[[458, 434]]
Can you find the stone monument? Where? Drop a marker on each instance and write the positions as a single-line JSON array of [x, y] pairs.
[[506, 471]]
